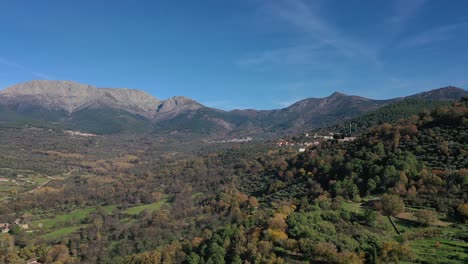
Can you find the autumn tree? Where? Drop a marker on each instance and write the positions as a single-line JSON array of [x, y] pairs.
[[390, 205], [426, 217], [394, 252], [463, 210], [57, 254]]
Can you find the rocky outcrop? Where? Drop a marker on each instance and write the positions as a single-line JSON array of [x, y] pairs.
[[72, 96]]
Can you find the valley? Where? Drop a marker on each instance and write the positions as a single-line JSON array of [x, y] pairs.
[[384, 184], [234, 132]]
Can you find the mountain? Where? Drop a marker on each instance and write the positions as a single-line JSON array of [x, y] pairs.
[[68, 104], [448, 93], [72, 96], [84, 107], [390, 113], [317, 112], [320, 112]]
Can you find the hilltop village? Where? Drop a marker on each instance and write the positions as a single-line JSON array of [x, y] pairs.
[[307, 140]]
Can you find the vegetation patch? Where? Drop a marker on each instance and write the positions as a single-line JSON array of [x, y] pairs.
[[135, 210]]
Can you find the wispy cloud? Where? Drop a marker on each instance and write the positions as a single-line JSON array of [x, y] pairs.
[[435, 35], [319, 43], [22, 68], [305, 17], [318, 35], [11, 64], [405, 11], [42, 75], [295, 55]]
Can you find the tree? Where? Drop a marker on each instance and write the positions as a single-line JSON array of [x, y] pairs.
[[463, 210], [426, 217], [325, 250], [394, 252], [193, 258], [370, 216], [217, 253], [278, 222], [390, 205], [57, 254], [444, 148]]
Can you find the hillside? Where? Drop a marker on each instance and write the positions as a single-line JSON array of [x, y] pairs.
[[395, 194], [390, 113], [71, 105], [72, 96]]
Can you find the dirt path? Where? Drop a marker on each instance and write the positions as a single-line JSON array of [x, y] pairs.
[[40, 186]]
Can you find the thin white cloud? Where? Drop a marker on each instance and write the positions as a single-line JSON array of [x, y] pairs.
[[42, 76], [11, 64], [405, 10], [319, 43], [295, 55], [435, 35], [304, 17], [316, 31], [22, 68]]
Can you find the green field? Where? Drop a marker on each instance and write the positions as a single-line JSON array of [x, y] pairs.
[[352, 207], [64, 224], [140, 208], [440, 250], [64, 219], [445, 247], [62, 232], [19, 181], [67, 223]]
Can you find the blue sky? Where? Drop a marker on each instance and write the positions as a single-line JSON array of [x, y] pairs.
[[239, 54]]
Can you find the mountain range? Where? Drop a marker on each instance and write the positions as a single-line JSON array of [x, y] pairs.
[[72, 105]]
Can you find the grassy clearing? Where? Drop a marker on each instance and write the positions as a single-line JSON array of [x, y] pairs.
[[195, 195], [447, 247], [440, 250], [352, 207], [140, 208], [19, 182], [61, 232], [67, 223], [409, 216], [65, 219]]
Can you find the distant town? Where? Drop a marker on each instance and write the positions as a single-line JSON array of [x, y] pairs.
[[232, 140], [312, 140]]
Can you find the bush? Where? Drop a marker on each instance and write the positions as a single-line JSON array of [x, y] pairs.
[[426, 217]]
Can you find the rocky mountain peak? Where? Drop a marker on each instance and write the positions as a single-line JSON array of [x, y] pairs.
[[337, 94], [72, 96], [178, 103], [445, 93]]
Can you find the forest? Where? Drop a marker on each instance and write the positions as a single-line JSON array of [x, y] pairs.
[[396, 194]]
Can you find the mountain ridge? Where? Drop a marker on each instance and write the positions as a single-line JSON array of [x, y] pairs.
[[79, 104]]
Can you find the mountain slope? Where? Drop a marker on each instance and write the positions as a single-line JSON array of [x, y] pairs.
[[448, 93], [387, 114], [320, 112], [72, 96], [106, 110], [317, 112]]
